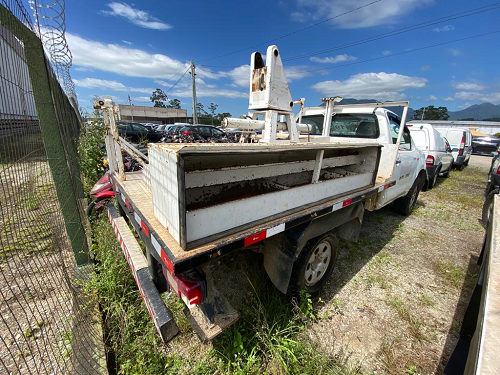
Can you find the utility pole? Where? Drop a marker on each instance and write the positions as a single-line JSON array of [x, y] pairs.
[[193, 85], [423, 113], [131, 110]]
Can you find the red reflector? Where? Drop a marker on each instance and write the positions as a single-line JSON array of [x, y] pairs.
[[255, 238], [127, 203], [190, 289], [498, 170], [410, 125], [167, 261], [429, 161], [347, 202], [145, 228], [187, 133]]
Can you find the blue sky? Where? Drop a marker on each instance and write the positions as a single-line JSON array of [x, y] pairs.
[[131, 48]]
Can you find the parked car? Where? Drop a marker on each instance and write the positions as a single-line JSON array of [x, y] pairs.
[[461, 144], [436, 149], [203, 131], [162, 128], [485, 145], [492, 187], [136, 132], [150, 125]]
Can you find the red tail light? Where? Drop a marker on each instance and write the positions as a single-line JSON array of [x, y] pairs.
[[462, 146], [187, 132], [498, 170], [429, 161], [191, 291]]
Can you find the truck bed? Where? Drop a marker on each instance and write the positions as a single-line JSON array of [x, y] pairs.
[[136, 200]]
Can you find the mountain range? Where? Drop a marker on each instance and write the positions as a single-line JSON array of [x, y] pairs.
[[477, 111]]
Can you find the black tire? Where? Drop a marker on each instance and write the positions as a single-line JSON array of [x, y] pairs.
[[447, 173], [488, 207], [461, 167], [405, 205], [90, 208], [432, 182], [314, 266]]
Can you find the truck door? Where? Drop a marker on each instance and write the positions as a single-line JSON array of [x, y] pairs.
[[405, 161]]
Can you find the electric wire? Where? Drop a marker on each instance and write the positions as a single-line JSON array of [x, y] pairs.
[[395, 54], [176, 82], [385, 35], [291, 33]]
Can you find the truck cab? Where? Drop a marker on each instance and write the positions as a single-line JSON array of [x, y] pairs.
[[355, 123]]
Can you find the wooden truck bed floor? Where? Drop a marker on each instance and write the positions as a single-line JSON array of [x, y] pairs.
[[139, 202]]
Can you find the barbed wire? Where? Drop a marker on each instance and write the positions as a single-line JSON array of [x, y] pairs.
[[50, 22]]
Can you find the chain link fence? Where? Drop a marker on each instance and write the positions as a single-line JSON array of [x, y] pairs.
[[48, 324]]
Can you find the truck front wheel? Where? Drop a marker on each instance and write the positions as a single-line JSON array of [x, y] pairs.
[[405, 204], [315, 264]]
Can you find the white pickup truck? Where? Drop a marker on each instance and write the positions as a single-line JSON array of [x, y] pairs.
[[288, 199]]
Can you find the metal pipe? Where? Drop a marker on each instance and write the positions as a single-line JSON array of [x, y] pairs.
[[249, 124]]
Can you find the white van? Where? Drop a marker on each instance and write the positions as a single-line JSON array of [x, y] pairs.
[[437, 151], [461, 144]]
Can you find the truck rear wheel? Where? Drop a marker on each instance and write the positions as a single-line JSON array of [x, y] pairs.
[[405, 205], [488, 207], [315, 264]]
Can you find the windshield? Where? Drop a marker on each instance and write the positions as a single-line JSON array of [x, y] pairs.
[[420, 139], [345, 125]]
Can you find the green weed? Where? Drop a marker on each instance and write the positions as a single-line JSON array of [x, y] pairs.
[[452, 274]]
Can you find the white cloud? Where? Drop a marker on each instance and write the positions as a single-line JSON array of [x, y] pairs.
[[455, 51], [103, 84], [122, 60], [386, 53], [432, 97], [127, 42], [426, 68], [83, 69], [380, 86], [468, 86], [493, 97], [294, 73], [444, 28], [449, 99], [383, 13], [334, 59], [136, 16]]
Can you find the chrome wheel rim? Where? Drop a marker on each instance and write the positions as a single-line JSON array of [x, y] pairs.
[[414, 197], [318, 263]]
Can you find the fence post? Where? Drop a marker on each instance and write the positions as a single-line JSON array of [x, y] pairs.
[[49, 126]]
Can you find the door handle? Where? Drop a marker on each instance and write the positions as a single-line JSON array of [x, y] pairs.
[[398, 161]]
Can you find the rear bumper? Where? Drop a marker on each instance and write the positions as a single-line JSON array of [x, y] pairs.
[[431, 171], [459, 160]]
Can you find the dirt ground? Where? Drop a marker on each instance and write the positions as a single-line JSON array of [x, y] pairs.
[[395, 301]]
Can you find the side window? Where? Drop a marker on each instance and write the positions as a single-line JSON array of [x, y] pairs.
[[217, 132], [139, 128], [122, 127], [405, 140], [394, 124], [205, 131]]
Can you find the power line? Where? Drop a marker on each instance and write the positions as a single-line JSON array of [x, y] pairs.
[[176, 82], [389, 34], [395, 54], [291, 33], [400, 31]]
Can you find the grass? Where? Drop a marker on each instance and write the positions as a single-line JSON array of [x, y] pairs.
[[452, 274], [268, 338], [414, 324]]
